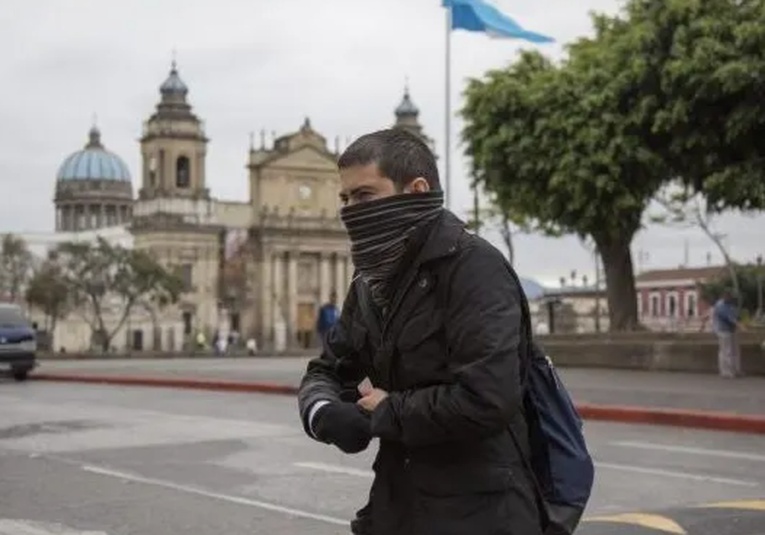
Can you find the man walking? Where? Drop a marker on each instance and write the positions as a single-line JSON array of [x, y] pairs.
[[726, 324], [425, 356], [327, 316]]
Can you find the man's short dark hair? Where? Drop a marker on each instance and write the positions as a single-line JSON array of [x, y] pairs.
[[400, 155]]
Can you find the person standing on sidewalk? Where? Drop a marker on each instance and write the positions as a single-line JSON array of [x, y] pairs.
[[425, 356], [725, 322]]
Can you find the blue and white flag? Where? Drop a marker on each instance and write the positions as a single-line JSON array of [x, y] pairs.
[[479, 16]]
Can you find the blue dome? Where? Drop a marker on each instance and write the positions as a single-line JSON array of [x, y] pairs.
[[94, 162]]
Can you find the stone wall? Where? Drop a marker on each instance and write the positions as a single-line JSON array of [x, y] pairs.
[[694, 352]]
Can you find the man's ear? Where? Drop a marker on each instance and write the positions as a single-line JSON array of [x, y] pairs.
[[418, 185]]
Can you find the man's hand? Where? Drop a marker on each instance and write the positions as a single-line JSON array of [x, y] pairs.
[[370, 396], [344, 425]]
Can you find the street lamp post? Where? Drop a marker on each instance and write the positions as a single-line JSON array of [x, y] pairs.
[[759, 287]]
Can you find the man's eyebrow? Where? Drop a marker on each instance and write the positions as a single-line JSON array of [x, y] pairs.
[[354, 191]]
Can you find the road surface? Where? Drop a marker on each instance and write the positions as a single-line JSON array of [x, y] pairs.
[[112, 460]]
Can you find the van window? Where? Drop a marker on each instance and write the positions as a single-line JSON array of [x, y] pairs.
[[12, 317]]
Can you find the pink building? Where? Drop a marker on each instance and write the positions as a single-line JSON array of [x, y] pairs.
[[670, 299]]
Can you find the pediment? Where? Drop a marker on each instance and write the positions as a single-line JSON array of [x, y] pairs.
[[304, 158]]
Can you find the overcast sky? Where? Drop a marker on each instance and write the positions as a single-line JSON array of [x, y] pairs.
[[266, 64]]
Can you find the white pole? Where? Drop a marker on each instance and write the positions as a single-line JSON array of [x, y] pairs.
[[448, 109]]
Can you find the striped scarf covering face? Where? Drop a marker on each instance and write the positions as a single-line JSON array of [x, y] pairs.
[[379, 231]]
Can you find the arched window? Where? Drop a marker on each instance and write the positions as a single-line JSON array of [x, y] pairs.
[[671, 305], [182, 168]]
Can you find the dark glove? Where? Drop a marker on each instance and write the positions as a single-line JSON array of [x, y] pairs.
[[345, 425]]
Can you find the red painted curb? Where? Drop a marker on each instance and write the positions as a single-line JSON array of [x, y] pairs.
[[719, 421], [195, 384]]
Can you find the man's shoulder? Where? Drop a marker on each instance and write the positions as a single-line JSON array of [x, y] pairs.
[[481, 261], [480, 253]]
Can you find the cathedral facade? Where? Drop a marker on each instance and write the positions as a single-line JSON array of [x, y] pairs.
[[261, 268]]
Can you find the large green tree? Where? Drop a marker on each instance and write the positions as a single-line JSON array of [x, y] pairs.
[[561, 146], [107, 280], [705, 111]]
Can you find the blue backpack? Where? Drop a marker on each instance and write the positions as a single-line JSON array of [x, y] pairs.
[[559, 463]]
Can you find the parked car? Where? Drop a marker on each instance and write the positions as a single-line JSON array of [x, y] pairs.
[[18, 341]]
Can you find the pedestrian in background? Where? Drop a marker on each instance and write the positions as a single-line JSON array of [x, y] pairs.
[[328, 315], [726, 324]]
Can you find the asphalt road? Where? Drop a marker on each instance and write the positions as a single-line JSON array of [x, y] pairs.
[[100, 460], [697, 392]]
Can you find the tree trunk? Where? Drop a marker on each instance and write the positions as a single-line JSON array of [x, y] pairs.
[[620, 283]]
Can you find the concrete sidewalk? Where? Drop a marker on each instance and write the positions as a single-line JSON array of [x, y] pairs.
[[633, 396]]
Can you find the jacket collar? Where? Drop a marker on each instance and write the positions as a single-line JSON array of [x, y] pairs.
[[442, 238]]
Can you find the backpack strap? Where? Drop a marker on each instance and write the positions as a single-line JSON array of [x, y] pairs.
[[526, 350]]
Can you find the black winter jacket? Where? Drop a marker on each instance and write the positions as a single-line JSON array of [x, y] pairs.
[[450, 360]]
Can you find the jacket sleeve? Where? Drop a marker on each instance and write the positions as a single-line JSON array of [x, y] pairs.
[[483, 326], [334, 375]]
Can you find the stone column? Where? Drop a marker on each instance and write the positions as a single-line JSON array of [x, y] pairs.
[[325, 282], [79, 217], [200, 171], [102, 216], [266, 302], [292, 295], [278, 290], [340, 278]]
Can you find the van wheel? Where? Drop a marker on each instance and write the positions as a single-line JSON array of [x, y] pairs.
[[20, 375]]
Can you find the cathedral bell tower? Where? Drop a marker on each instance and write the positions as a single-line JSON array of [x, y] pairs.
[[173, 146], [408, 118]]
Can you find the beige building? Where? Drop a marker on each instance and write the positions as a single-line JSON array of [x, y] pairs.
[[261, 267]]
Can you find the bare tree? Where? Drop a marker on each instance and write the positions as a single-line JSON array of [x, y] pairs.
[[686, 209], [48, 291], [16, 264], [499, 220]]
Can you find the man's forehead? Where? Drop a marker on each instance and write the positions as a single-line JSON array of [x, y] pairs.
[[369, 170]]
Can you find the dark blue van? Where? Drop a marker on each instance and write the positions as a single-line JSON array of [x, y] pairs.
[[18, 341]]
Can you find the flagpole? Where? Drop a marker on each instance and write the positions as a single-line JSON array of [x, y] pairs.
[[448, 109]]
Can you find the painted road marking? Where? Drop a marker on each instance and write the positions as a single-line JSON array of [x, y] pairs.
[[336, 469], [214, 495], [748, 505], [30, 527], [691, 451], [655, 522], [681, 475]]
